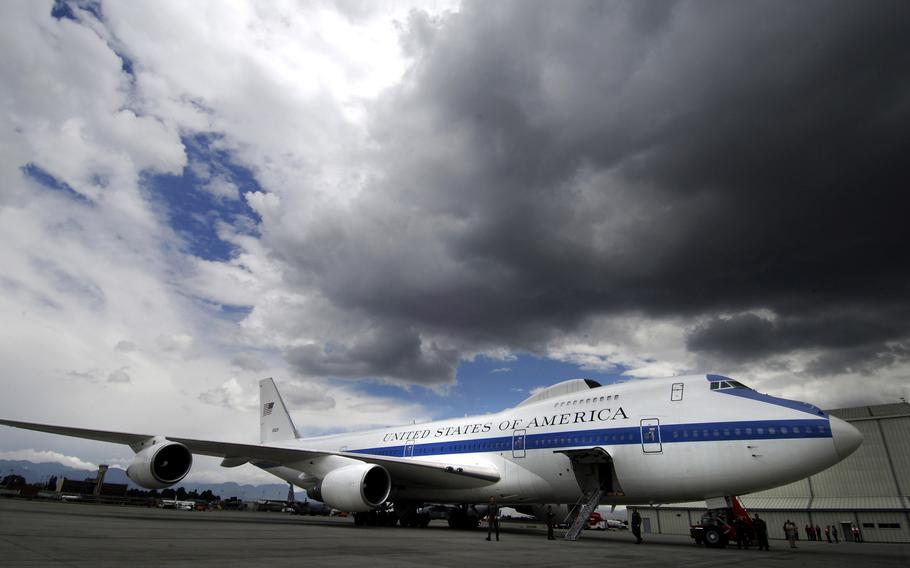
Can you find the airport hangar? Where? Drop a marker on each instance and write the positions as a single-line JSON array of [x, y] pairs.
[[870, 489]]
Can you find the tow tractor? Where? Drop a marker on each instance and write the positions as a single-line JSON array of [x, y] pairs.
[[720, 525]]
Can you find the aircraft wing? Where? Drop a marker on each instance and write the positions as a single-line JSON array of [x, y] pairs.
[[452, 475], [131, 440], [401, 469]]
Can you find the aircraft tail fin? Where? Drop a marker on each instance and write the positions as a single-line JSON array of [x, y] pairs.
[[275, 422]]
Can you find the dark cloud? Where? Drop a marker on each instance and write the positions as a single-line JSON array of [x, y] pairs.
[[119, 376], [306, 396], [249, 362], [388, 354], [863, 359], [857, 336], [544, 163]]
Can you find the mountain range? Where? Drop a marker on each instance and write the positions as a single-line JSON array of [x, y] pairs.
[[38, 472]]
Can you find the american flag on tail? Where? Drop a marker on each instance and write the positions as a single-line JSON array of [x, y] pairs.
[[267, 408]]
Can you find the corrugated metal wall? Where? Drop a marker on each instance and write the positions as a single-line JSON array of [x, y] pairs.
[[848, 413], [866, 472], [674, 521], [880, 534], [776, 519], [897, 437], [798, 489], [889, 409]]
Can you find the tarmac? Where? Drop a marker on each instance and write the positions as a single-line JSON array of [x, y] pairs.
[[40, 533]]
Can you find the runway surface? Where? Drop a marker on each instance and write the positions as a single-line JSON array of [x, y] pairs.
[[34, 533]]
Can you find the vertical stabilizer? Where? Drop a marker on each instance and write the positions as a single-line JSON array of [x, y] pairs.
[[275, 423]]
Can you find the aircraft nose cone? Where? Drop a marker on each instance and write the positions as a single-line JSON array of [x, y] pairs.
[[846, 437]]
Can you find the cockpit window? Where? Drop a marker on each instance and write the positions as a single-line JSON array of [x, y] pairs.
[[728, 384]]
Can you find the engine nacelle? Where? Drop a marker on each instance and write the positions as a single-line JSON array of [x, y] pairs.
[[354, 488], [160, 465]]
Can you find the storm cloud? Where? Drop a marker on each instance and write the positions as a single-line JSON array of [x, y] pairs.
[[546, 164]]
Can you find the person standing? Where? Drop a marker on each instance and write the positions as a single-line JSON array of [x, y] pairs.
[[761, 532], [492, 518], [818, 533], [828, 533], [834, 534], [636, 526], [809, 535], [742, 533], [790, 532], [551, 519]]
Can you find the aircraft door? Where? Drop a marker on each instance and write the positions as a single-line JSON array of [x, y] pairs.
[[409, 449], [518, 444], [650, 436]]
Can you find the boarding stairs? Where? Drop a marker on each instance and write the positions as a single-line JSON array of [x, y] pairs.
[[585, 506]]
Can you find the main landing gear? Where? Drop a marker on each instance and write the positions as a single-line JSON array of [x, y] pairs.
[[464, 517]]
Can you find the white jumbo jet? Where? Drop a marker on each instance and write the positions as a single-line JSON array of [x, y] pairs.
[[650, 441]]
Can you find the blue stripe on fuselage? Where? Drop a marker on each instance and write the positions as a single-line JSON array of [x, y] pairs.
[[786, 403], [745, 392], [669, 433]]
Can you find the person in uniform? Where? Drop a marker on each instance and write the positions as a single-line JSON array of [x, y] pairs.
[[492, 518], [743, 533], [738, 529], [551, 520], [636, 526], [761, 533]]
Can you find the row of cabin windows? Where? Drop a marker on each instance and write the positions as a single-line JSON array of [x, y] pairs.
[[476, 446], [598, 439], [493, 446], [586, 400], [726, 432], [694, 434]]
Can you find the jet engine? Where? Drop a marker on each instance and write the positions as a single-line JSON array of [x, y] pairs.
[[354, 488], [160, 465]]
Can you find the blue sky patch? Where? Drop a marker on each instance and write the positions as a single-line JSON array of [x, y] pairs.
[[483, 386], [195, 213], [62, 10]]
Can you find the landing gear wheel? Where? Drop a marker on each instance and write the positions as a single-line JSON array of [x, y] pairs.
[[714, 538]]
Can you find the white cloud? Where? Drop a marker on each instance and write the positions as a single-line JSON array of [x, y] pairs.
[[99, 306], [222, 187], [44, 456], [229, 394]]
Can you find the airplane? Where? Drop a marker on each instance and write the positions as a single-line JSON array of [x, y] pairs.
[[578, 442]]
